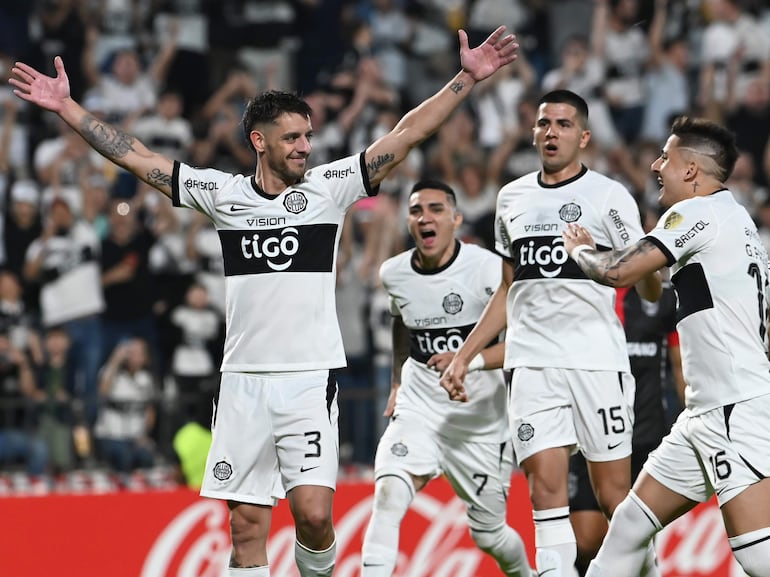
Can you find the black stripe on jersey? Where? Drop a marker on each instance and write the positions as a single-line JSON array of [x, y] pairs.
[[728, 410], [693, 290], [331, 392], [670, 260], [302, 248], [175, 184], [370, 190]]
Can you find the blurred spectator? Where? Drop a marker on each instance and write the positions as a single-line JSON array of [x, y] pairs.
[[666, 83], [623, 47], [583, 73], [95, 196], [750, 121], [15, 319], [196, 353], [203, 248], [743, 185], [64, 259], [117, 25], [123, 433], [126, 280], [53, 400], [496, 102], [357, 440], [392, 33], [57, 29], [21, 225], [19, 443], [128, 90], [219, 140], [735, 50], [166, 131], [192, 54]]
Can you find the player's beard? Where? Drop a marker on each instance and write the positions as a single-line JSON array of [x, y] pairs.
[[285, 170]]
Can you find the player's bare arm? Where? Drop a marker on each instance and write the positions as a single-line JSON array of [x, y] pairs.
[[615, 268], [419, 123], [400, 339], [491, 323], [110, 141]]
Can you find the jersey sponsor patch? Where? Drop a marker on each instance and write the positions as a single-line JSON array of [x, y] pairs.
[[427, 342], [304, 248], [542, 257]]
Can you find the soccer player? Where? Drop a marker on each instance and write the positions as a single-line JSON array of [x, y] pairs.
[[275, 431], [720, 442], [571, 384], [653, 351], [437, 292]]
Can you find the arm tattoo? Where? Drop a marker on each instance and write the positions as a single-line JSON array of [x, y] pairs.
[[156, 176], [604, 267], [106, 139], [457, 86], [374, 165]]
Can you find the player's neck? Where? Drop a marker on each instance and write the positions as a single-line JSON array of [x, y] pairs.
[[270, 183], [562, 175]]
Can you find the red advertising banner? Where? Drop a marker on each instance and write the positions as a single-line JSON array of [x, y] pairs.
[[178, 534]]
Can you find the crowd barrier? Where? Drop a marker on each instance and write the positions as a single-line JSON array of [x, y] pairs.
[[175, 533]]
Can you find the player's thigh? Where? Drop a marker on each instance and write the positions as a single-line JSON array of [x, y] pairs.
[[673, 475], [306, 430], [479, 474], [734, 444], [408, 447], [539, 411], [242, 465], [603, 408]]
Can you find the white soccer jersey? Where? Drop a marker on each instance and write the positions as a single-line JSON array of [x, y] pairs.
[[719, 269], [279, 257], [440, 308], [558, 317]]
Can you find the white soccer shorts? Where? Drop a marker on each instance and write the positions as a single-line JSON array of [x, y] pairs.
[[589, 410], [272, 432]]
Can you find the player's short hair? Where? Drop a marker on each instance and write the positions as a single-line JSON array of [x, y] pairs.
[[435, 184], [567, 97], [268, 106], [709, 139]]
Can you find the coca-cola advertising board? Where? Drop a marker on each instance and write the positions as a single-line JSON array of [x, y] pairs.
[[175, 533]]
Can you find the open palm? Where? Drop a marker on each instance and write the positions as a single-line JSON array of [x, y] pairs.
[[494, 53], [36, 87]]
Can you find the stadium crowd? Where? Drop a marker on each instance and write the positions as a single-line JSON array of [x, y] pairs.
[[112, 303]]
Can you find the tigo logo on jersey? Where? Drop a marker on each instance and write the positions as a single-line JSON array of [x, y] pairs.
[[295, 202], [281, 248], [673, 220]]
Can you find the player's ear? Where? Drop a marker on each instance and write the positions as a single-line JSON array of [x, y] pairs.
[[585, 138], [257, 140], [458, 219]]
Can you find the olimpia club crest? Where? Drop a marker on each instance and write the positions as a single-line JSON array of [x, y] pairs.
[[570, 212], [295, 202], [453, 303]]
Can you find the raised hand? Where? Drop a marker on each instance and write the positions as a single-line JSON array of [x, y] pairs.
[[494, 53], [37, 88]]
